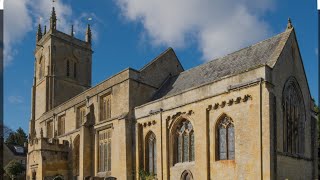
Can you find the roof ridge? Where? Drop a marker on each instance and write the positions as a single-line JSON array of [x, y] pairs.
[[234, 52], [156, 58]]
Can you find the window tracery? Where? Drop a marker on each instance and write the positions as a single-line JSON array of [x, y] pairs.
[[151, 155], [184, 142], [225, 134], [105, 150], [293, 118]]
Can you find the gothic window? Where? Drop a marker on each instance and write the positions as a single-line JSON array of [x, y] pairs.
[[75, 70], [104, 150], [293, 118], [68, 68], [184, 142], [61, 125], [105, 107], [151, 155], [50, 129], [186, 175], [80, 116], [225, 136]]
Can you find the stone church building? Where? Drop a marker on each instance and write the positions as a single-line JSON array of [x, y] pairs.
[[247, 115]]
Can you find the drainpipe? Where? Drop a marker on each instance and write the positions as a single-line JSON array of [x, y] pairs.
[[261, 146]]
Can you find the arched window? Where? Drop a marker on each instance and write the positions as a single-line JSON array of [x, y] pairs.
[[184, 142], [186, 175], [293, 118], [151, 153], [225, 135], [68, 68]]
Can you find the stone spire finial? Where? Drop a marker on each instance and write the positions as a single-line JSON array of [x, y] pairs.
[[88, 34], [72, 32], [45, 30], [53, 19], [39, 33], [289, 25]]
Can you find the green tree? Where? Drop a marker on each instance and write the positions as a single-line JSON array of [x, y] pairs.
[[18, 138], [14, 169]]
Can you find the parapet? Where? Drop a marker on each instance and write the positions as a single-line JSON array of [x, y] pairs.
[[52, 144]]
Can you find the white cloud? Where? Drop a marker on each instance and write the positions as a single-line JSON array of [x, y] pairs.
[[17, 23], [22, 17], [219, 27], [15, 99]]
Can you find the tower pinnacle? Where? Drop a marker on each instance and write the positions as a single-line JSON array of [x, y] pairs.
[[72, 32], [53, 19], [88, 34], [39, 33], [289, 25]]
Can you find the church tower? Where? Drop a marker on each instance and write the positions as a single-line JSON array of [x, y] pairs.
[[62, 68]]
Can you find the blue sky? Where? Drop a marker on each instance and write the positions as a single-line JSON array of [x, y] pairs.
[[130, 33]]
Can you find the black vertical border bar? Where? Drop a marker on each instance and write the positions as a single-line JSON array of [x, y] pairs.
[[1, 94], [318, 56]]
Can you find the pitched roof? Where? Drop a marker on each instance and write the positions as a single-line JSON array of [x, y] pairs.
[[17, 150], [263, 53]]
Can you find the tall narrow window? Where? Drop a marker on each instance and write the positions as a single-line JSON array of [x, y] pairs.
[[61, 125], [68, 68], [293, 118], [75, 70], [81, 114], [50, 129], [184, 142], [105, 107], [151, 149], [105, 150], [41, 68], [225, 134]]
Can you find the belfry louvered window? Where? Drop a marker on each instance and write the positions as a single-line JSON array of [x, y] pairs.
[[105, 107]]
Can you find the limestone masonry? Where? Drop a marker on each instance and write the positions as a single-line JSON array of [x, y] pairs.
[[247, 115]]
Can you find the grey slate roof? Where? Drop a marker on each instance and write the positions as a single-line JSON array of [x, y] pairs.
[[232, 64]]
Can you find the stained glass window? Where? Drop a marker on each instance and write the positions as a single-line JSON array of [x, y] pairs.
[[61, 125], [231, 141], [293, 118], [81, 114], [185, 147], [151, 153], [184, 139], [191, 146], [226, 142], [50, 129], [179, 149]]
